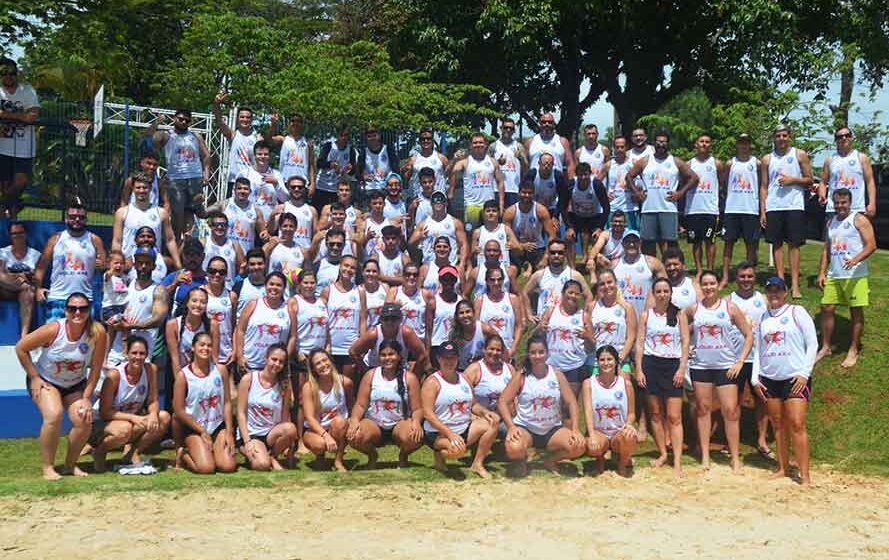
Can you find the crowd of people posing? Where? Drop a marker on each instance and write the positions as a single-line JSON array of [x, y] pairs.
[[303, 322]]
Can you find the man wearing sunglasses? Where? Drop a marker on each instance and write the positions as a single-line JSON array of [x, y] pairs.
[[847, 168], [547, 141], [305, 214], [18, 110], [218, 244], [547, 282], [429, 157], [188, 169], [513, 160], [17, 264], [140, 212], [75, 254]]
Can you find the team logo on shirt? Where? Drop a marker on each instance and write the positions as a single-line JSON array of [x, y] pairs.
[[211, 402], [609, 327], [386, 405], [721, 314], [775, 337], [542, 403], [217, 381], [140, 389], [458, 407], [607, 413], [270, 330], [83, 348], [712, 331], [665, 339], [784, 320]]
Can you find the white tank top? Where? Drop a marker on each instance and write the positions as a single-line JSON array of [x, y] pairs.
[[704, 197], [659, 178], [294, 160], [333, 404], [430, 281], [385, 406], [684, 295], [265, 407], [661, 339], [634, 156], [375, 243], [343, 319], [594, 157], [288, 261], [566, 347], [73, 265], [240, 155], [249, 292], [130, 399], [498, 235], [481, 286], [433, 162], [553, 146], [372, 358], [375, 301], [241, 224], [551, 288], [501, 316], [311, 324], [305, 223], [435, 229], [617, 186], [376, 167], [489, 386], [186, 340], [326, 274], [266, 326], [205, 398], [64, 361], [511, 168], [712, 337], [472, 349], [845, 242], [393, 267], [545, 190], [266, 195], [328, 178], [614, 246], [413, 309], [752, 308], [227, 252], [136, 218], [634, 281], [153, 194], [846, 172], [742, 196], [443, 320], [526, 225], [788, 197], [782, 342], [609, 325], [138, 308], [479, 184], [453, 404], [182, 156], [539, 403], [424, 209], [219, 309], [392, 210], [584, 202], [610, 405]]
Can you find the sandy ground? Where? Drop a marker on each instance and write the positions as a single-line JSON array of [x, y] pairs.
[[650, 516]]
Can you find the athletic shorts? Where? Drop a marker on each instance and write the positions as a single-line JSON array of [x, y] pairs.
[[659, 374], [112, 310], [717, 377], [576, 375], [182, 193], [430, 437], [846, 291], [472, 215], [386, 437], [540, 441], [11, 166], [341, 361], [586, 224], [700, 227], [63, 391], [775, 389], [659, 226], [99, 425], [786, 226], [520, 257], [187, 431], [741, 226], [632, 217]]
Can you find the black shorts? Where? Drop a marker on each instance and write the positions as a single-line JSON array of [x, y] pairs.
[[786, 226], [341, 361], [386, 437], [10, 166], [520, 257], [717, 377], [576, 375], [659, 374], [775, 389], [540, 441], [430, 437], [741, 226], [63, 391], [586, 224], [700, 227], [187, 431]]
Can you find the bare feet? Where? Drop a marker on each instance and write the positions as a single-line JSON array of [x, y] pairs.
[[276, 466], [678, 472], [600, 464], [302, 449], [49, 473], [480, 470], [736, 467], [338, 465], [75, 471], [851, 360], [402, 460], [438, 462], [797, 294], [659, 462], [823, 352], [551, 466], [625, 469], [778, 474]]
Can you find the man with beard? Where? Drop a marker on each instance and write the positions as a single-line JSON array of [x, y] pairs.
[[547, 141], [548, 282]]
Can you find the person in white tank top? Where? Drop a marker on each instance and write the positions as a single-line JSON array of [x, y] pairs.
[[613, 320], [608, 246], [365, 350], [850, 169], [266, 320], [502, 310], [569, 335], [843, 272], [593, 153], [615, 174], [221, 305], [242, 137], [441, 305], [609, 404], [489, 376], [549, 281], [454, 421], [741, 218], [373, 291], [202, 410], [490, 258], [130, 218], [493, 229], [218, 244], [145, 309], [636, 272], [391, 260], [410, 297], [429, 157], [541, 395], [717, 364], [265, 429], [297, 156], [181, 329], [129, 408], [311, 316], [284, 254], [513, 160], [326, 398], [306, 216], [547, 141], [388, 408], [468, 334], [702, 204], [686, 290], [346, 315], [441, 224], [66, 373], [266, 183], [480, 177]]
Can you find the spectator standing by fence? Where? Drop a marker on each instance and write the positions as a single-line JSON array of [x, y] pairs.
[[19, 109]]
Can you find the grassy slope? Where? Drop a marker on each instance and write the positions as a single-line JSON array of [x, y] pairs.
[[845, 424]]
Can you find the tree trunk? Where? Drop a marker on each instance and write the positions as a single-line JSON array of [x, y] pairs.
[[847, 84]]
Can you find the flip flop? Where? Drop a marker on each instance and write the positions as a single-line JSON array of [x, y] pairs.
[[766, 453]]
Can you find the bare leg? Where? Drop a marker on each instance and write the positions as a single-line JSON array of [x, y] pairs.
[[26, 306], [778, 255], [597, 445], [223, 454], [795, 412], [401, 439], [857, 314], [703, 410], [257, 455], [560, 448], [482, 434], [711, 253], [624, 447], [752, 252], [49, 402], [731, 416], [117, 433], [828, 321], [281, 439], [727, 250], [79, 434], [776, 417], [368, 439], [198, 455], [147, 438], [674, 420], [696, 251], [517, 451], [794, 271], [656, 413]]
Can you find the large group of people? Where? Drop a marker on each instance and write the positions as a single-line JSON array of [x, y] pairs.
[[513, 294]]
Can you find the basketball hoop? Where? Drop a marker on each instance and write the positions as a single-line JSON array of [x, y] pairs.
[[81, 127]]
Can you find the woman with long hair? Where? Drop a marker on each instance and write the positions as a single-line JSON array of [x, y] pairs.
[[387, 408], [311, 316], [569, 334], [346, 315], [221, 303], [441, 304], [409, 295], [326, 397], [468, 334], [488, 377], [180, 331], [63, 379], [265, 321], [608, 405], [661, 357], [613, 320], [374, 292], [265, 430], [502, 310], [202, 412], [541, 394]]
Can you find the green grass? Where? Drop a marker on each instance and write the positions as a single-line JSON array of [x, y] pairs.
[[846, 423]]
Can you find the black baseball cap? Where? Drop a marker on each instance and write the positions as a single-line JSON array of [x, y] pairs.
[[448, 348], [392, 310]]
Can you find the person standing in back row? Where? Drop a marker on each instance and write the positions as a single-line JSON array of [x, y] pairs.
[[741, 219], [336, 161], [547, 141], [513, 160], [297, 157], [242, 138], [786, 176], [482, 180], [429, 157], [702, 204], [848, 168]]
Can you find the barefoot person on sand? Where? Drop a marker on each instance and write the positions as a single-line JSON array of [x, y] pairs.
[[454, 420], [787, 347], [60, 380], [128, 407], [540, 391], [326, 397], [265, 430], [608, 406], [661, 358], [387, 408]]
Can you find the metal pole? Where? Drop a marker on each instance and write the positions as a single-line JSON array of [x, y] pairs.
[[126, 141]]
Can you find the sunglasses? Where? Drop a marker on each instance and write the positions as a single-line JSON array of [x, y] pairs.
[[843, 136], [557, 252], [220, 224], [16, 233], [411, 274], [77, 308], [76, 216], [334, 244], [215, 271]]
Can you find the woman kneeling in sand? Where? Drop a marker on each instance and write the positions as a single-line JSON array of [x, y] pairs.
[[326, 397]]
